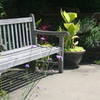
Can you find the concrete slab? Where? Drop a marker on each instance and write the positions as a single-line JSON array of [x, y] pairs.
[[78, 84]]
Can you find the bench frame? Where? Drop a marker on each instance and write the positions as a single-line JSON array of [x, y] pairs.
[[13, 30]]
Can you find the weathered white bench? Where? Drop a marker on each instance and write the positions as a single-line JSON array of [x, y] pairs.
[[18, 35]]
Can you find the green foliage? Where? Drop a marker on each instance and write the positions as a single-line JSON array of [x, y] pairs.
[[46, 45], [2, 11], [2, 93], [44, 62], [86, 25], [89, 33], [68, 17], [72, 28], [76, 49], [38, 22], [97, 62]]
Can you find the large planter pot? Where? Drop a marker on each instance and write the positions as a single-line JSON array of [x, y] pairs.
[[72, 59]]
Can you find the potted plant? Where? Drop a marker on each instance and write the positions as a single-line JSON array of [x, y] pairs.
[[72, 53]]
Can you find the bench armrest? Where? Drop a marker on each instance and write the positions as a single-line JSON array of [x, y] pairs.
[[57, 33]]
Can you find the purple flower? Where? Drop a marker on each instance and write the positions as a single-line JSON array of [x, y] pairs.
[[27, 66], [33, 46], [59, 57], [42, 38]]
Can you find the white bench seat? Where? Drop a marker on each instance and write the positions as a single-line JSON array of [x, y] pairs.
[[11, 59]]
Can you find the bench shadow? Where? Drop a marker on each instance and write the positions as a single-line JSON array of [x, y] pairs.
[[15, 79]]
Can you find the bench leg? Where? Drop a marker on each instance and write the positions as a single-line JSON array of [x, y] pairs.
[[61, 61]]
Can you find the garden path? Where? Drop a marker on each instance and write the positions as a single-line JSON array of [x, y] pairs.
[[78, 84]]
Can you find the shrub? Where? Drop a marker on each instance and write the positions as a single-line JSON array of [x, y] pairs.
[[2, 10], [89, 33]]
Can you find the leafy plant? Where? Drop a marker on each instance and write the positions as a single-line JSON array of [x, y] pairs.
[[86, 25], [2, 11], [97, 62], [72, 28], [89, 33], [2, 93], [38, 22], [75, 49]]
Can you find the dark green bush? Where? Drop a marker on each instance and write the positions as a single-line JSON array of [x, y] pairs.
[[89, 33], [2, 8]]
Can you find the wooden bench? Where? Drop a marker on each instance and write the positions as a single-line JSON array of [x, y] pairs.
[[18, 36]]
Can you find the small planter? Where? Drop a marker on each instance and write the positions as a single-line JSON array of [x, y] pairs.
[[72, 59]]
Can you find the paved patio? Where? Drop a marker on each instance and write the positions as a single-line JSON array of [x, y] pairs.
[[78, 84]]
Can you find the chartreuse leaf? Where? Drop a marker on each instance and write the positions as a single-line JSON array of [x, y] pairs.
[[76, 48], [72, 29], [68, 17], [65, 16], [47, 45], [38, 22], [67, 25], [72, 16]]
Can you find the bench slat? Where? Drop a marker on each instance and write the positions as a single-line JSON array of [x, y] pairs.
[[4, 53], [5, 36], [13, 39], [30, 33], [19, 54], [27, 33], [23, 31], [9, 37], [15, 20], [20, 36], [16, 34], [27, 51], [1, 36]]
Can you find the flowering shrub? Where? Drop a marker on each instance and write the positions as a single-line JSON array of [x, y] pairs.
[[58, 57], [43, 38], [27, 66]]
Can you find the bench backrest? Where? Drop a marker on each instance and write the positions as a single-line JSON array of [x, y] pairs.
[[17, 33]]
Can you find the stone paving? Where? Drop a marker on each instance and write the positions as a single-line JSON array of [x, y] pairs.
[[78, 84]]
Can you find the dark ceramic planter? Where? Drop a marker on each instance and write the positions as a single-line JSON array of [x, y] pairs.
[[72, 59]]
